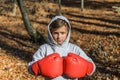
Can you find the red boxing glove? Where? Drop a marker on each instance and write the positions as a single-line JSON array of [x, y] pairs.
[[51, 66], [75, 66], [90, 68], [35, 68]]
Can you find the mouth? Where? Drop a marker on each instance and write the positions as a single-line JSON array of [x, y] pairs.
[[59, 41]]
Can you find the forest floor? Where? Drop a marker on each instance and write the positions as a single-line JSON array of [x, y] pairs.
[[96, 30]]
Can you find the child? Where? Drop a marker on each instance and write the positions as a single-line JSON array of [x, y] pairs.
[[58, 59]]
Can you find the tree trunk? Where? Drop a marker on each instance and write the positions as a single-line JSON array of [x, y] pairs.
[[14, 8], [82, 5], [33, 33], [59, 7]]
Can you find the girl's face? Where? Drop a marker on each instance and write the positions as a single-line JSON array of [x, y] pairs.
[[60, 34]]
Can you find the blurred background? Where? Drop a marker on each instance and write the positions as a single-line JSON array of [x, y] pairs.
[[95, 28]]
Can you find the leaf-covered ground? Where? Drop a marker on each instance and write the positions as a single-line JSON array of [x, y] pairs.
[[96, 30]]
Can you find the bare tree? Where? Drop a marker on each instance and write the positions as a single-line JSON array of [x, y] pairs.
[[35, 35]]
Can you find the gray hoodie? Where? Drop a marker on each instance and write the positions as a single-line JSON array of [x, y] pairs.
[[63, 49]]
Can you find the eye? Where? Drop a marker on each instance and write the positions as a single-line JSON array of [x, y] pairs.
[[54, 33], [62, 32]]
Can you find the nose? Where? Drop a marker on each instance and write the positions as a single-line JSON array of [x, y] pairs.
[[59, 36]]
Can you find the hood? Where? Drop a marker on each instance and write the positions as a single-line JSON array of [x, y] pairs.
[[50, 38]]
